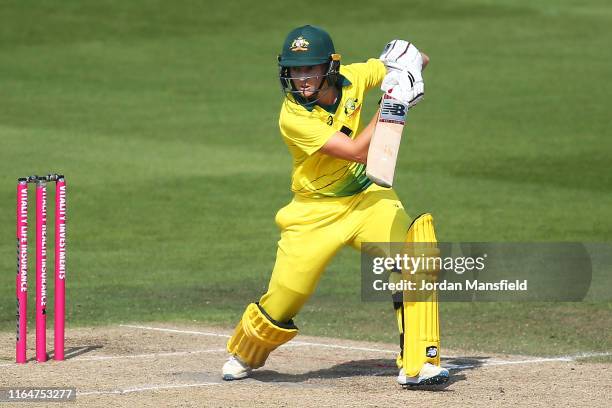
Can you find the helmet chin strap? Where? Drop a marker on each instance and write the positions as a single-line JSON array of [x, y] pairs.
[[316, 96]]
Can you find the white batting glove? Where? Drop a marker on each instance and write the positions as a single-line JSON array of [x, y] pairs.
[[400, 54], [404, 86], [404, 80]]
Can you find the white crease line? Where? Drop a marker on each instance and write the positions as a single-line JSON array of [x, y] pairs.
[[145, 388], [589, 355], [497, 363], [126, 356], [531, 361], [451, 366], [337, 346], [292, 344], [150, 355], [163, 329]]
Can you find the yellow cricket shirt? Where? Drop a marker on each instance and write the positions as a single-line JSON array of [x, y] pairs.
[[306, 129]]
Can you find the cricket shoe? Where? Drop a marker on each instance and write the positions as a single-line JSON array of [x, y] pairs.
[[235, 369], [429, 375]]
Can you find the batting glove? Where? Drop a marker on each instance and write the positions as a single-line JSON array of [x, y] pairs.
[[402, 85], [404, 80]]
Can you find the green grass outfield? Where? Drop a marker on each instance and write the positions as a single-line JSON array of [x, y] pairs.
[[163, 116]]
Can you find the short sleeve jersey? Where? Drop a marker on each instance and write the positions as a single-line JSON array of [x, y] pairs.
[[306, 129]]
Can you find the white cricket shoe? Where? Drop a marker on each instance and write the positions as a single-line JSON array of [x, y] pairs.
[[235, 369], [429, 375]]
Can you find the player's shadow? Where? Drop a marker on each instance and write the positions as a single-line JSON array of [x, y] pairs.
[[370, 368], [72, 352]]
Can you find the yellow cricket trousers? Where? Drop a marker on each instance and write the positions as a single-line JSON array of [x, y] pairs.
[[312, 232]]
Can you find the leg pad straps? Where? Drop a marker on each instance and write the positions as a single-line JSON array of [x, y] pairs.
[[257, 334]]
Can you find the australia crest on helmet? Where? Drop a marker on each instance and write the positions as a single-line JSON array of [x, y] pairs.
[[299, 44]]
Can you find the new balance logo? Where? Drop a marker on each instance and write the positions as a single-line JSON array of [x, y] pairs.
[[395, 109]]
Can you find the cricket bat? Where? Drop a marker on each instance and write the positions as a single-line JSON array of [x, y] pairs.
[[385, 143]]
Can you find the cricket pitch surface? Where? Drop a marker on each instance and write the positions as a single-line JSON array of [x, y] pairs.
[[159, 365]]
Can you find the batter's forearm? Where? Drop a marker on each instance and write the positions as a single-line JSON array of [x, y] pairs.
[[343, 147]]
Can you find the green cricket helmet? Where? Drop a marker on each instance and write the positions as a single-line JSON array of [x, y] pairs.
[[307, 46]]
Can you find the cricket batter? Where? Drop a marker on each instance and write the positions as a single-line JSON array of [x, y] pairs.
[[334, 203]]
